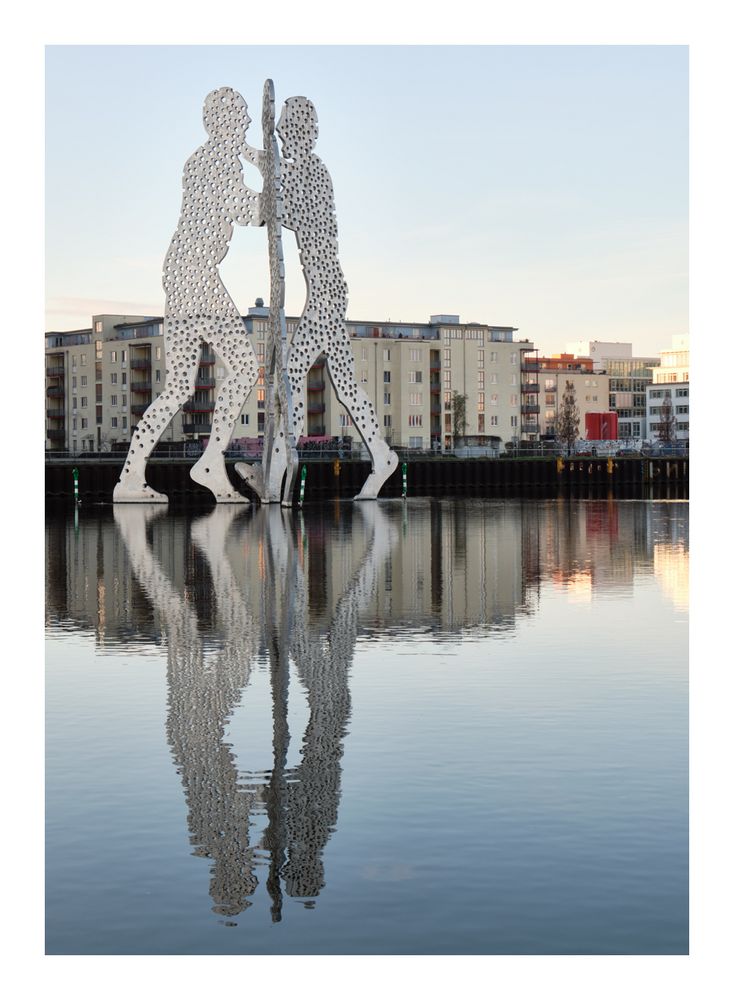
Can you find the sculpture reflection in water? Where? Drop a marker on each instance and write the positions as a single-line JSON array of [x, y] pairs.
[[206, 683]]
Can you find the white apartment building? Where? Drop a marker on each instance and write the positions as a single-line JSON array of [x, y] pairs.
[[670, 380], [409, 370]]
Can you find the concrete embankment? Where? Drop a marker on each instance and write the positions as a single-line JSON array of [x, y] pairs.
[[325, 480]]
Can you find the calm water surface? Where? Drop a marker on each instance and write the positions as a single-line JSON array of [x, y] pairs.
[[389, 728]]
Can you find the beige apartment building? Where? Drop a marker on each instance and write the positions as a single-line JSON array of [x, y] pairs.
[[99, 382], [591, 389]]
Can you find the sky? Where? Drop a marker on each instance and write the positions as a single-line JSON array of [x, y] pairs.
[[540, 187]]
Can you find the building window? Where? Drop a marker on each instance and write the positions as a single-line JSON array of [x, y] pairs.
[[158, 354], [364, 353], [513, 358], [480, 379], [113, 355], [84, 380], [363, 376], [415, 354], [123, 356], [261, 399], [414, 377], [493, 420], [73, 381], [493, 378], [513, 421], [387, 420], [84, 401], [447, 357], [113, 422], [98, 326], [245, 418], [416, 398], [83, 360], [261, 376], [113, 378], [447, 400], [480, 359], [493, 399], [480, 402], [73, 402], [493, 357], [85, 423], [415, 420], [124, 423], [447, 380], [113, 400], [480, 423], [386, 354], [344, 420], [73, 423], [447, 421], [124, 378], [386, 376], [513, 399], [386, 398], [157, 374]]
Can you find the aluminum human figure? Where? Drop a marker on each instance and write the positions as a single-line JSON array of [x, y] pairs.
[[199, 309]]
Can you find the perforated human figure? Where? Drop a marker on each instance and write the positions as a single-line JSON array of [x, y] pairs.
[[309, 211], [198, 307]]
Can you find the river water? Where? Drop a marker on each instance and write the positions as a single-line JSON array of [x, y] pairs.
[[422, 727]]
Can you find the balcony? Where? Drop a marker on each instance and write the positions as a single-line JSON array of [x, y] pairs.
[[528, 387], [141, 386], [56, 434], [140, 363], [55, 371], [315, 386], [139, 408], [55, 414], [530, 429], [57, 391], [529, 366], [204, 383], [529, 408], [317, 407], [207, 358], [198, 406], [197, 428]]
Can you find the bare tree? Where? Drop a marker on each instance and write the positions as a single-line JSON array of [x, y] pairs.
[[667, 421], [567, 428], [458, 406]]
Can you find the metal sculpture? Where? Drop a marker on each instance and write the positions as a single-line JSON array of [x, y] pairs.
[[199, 309], [309, 211], [298, 194]]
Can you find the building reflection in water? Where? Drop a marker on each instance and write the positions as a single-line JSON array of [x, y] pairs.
[[233, 589]]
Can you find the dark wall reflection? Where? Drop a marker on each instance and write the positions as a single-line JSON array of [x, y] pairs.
[[222, 590]]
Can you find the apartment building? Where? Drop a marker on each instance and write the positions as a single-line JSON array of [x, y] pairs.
[[409, 370], [591, 388], [670, 380], [629, 377]]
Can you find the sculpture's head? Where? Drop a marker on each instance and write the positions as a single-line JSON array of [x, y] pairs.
[[298, 127], [225, 115]]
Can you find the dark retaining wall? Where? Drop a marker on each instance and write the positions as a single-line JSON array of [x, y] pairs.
[[642, 477]]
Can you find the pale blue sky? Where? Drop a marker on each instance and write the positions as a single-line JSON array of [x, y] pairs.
[[543, 187]]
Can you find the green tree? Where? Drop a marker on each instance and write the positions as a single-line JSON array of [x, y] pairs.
[[567, 428], [458, 407]]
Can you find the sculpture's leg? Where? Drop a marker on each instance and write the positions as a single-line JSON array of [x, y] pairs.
[[299, 365], [180, 381], [359, 407], [238, 355]]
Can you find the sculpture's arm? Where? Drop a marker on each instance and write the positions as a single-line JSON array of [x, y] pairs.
[[241, 203]]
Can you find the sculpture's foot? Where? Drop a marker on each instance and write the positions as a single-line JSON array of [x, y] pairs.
[[139, 493], [384, 466], [252, 475], [274, 484], [216, 481]]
